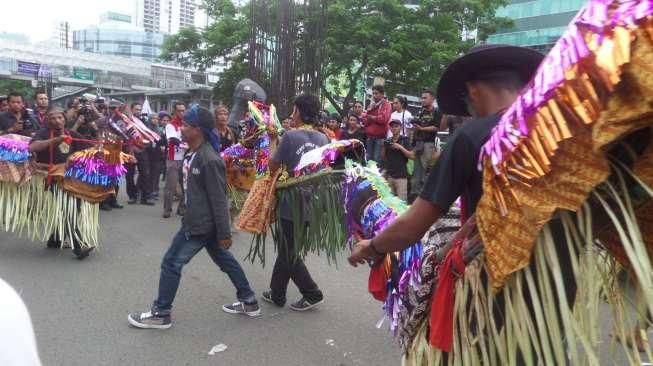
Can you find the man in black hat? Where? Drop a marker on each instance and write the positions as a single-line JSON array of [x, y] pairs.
[[205, 225], [482, 83]]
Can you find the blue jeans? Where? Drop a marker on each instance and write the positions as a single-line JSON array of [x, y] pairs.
[[373, 146], [181, 251]]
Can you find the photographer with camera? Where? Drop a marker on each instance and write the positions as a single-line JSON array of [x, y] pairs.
[[18, 119], [87, 115], [395, 153], [425, 130]]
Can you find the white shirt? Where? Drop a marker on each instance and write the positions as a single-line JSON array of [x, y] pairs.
[[17, 341], [405, 117], [185, 170], [179, 151]]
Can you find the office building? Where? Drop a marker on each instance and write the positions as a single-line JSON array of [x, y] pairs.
[[116, 35], [537, 23]]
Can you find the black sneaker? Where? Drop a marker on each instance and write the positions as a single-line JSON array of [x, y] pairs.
[[132, 201], [148, 203], [303, 304], [150, 320], [252, 310], [82, 253], [166, 215], [54, 244], [181, 211], [267, 296], [116, 205], [105, 207]]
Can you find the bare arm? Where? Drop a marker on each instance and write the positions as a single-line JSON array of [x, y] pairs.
[[36, 146], [403, 232]]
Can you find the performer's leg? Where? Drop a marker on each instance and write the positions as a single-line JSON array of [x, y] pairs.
[[181, 251], [80, 248], [281, 269], [297, 269]]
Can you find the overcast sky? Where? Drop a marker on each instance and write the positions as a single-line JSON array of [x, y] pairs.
[[37, 18]]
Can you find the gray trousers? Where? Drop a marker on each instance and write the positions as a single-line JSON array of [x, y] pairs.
[[173, 178], [423, 164]]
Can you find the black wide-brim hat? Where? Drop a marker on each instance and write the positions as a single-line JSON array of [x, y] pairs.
[[482, 59]]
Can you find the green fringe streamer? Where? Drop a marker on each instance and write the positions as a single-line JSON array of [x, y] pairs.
[[324, 230], [34, 213], [557, 334]]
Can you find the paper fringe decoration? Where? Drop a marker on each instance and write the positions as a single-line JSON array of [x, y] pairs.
[[322, 157], [90, 168], [563, 113], [14, 149], [377, 215]]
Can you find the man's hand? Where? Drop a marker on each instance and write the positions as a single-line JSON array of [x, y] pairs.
[[362, 251], [396, 146], [225, 243]]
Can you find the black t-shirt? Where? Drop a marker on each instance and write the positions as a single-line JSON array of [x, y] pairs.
[[395, 161], [426, 119], [359, 134], [456, 171], [60, 152]]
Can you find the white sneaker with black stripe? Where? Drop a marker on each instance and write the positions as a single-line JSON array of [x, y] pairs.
[[252, 310]]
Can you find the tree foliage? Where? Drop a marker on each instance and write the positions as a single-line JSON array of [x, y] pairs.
[[408, 46]]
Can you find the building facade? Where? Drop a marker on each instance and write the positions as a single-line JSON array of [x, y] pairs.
[[165, 16], [117, 36], [537, 23]]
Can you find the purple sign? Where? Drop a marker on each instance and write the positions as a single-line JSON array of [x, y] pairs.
[[28, 68]]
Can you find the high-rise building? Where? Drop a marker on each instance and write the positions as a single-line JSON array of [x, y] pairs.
[[62, 35], [537, 23], [165, 16], [117, 35]]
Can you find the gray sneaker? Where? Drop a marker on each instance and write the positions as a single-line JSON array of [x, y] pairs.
[[303, 304], [252, 310], [150, 320]]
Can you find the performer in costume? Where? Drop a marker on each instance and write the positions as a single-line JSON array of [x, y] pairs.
[[53, 145], [288, 265], [112, 131], [564, 168]]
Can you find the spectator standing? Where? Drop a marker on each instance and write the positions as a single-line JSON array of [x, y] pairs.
[[288, 266], [353, 130], [144, 164], [287, 123], [402, 114], [156, 151], [4, 104], [377, 121], [425, 130], [334, 125], [395, 154], [357, 109], [226, 134], [41, 103], [176, 151], [206, 225], [17, 120]]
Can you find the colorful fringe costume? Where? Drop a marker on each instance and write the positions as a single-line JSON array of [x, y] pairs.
[[37, 202]]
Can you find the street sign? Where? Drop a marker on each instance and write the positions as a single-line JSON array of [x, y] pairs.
[[82, 74], [28, 68]]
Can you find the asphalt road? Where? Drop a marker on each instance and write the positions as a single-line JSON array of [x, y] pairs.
[[79, 308]]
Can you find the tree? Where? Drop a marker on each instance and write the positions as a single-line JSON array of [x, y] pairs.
[[19, 86], [223, 42], [408, 46]]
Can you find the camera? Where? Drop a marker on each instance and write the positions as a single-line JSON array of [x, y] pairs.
[[388, 141], [85, 110]]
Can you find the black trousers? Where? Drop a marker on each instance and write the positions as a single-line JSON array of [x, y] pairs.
[[156, 167], [289, 267], [132, 189]]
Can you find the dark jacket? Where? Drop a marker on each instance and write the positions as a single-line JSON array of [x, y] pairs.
[[207, 206]]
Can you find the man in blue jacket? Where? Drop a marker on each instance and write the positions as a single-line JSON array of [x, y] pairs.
[[206, 224]]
